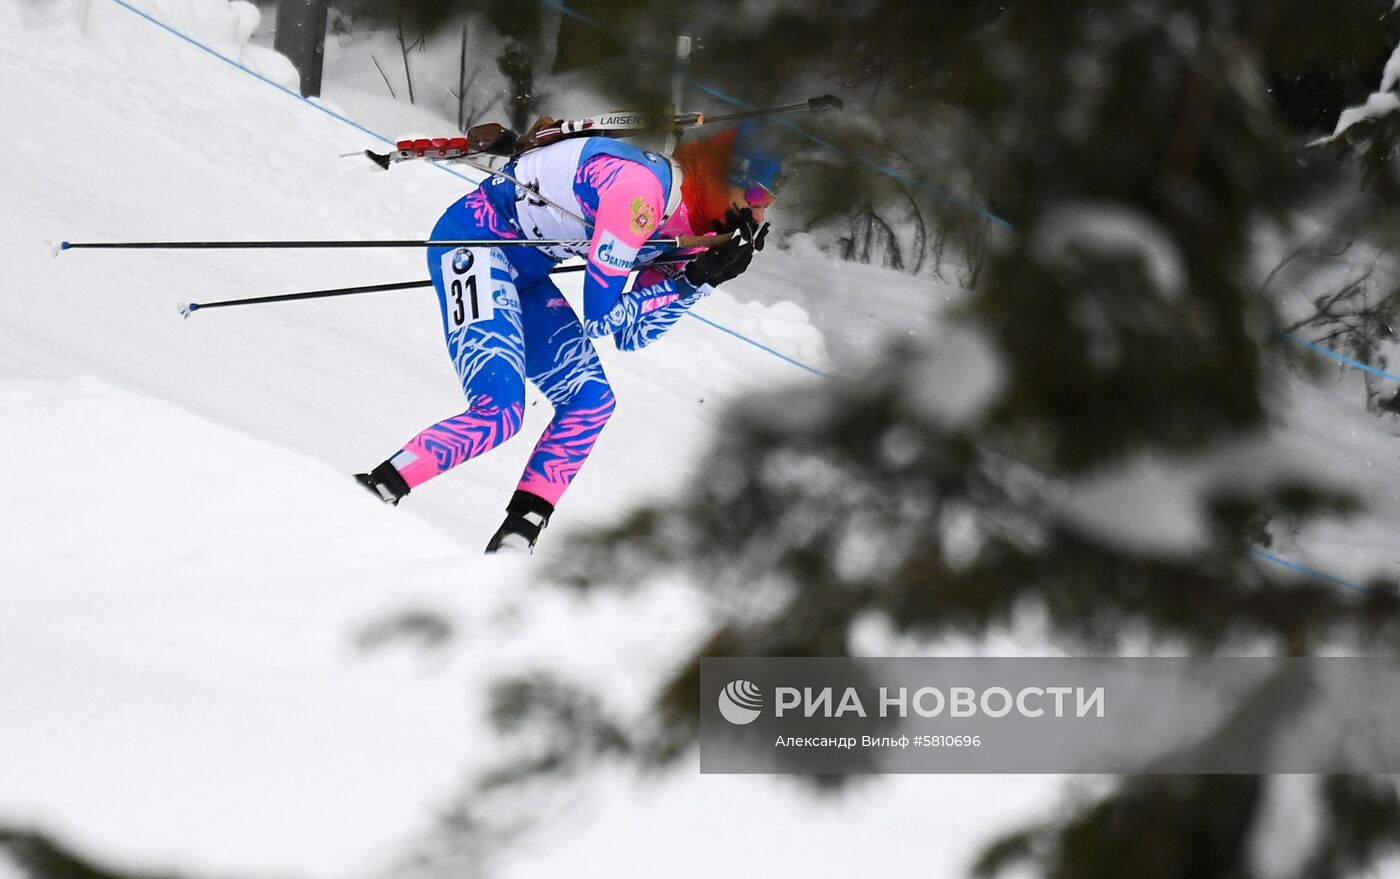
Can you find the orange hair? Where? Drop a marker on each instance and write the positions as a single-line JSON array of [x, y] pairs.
[[705, 187]]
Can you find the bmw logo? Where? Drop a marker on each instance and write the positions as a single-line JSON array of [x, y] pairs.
[[462, 261]]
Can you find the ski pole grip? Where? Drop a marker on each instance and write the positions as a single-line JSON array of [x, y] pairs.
[[688, 241]]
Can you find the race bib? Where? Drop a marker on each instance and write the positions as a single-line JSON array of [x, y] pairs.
[[466, 279]]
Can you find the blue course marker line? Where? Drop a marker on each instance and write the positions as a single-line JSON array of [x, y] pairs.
[[556, 5], [759, 345], [1340, 358], [1311, 572], [281, 88]]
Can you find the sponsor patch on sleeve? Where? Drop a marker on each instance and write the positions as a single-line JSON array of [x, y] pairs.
[[614, 254]]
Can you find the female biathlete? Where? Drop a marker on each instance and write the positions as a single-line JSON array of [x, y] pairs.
[[505, 321]]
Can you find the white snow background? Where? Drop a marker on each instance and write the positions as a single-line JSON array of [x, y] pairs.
[[185, 564]]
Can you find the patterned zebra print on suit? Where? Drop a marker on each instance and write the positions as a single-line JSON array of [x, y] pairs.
[[457, 439], [565, 444]]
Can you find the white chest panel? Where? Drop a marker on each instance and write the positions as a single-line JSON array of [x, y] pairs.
[[550, 171]]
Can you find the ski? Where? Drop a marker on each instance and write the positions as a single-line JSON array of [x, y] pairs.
[[494, 139]]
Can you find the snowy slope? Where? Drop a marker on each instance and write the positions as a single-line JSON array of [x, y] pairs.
[[186, 565], [176, 639]]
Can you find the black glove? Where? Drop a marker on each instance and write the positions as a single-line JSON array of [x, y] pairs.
[[742, 221], [735, 220], [720, 264], [728, 261]]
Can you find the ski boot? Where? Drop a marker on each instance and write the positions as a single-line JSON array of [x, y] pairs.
[[384, 482], [526, 516]]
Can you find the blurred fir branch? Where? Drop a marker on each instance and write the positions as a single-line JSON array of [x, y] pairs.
[[1137, 149], [40, 856]]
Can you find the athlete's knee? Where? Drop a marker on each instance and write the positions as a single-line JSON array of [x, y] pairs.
[[489, 422], [607, 402], [511, 418], [504, 415], [594, 401], [497, 394]]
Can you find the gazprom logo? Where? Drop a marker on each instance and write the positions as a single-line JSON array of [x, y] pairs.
[[740, 702], [614, 253]]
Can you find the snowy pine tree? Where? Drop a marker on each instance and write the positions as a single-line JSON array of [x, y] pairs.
[[1137, 151]]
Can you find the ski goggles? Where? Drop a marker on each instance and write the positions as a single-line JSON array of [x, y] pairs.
[[759, 196]]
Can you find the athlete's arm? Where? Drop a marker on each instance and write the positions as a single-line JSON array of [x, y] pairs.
[[656, 319], [630, 204]]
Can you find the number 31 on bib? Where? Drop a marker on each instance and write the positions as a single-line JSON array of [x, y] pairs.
[[466, 278]]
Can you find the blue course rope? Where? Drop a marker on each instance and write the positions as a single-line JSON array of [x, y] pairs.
[[281, 88], [1311, 572], [253, 73], [1340, 358], [560, 7], [556, 4], [778, 354]]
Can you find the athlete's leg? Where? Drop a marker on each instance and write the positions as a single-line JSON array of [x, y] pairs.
[[482, 324], [562, 362]]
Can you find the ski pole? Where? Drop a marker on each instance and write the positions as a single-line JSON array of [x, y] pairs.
[[815, 105], [681, 241], [627, 124], [641, 122], [192, 307], [279, 245]]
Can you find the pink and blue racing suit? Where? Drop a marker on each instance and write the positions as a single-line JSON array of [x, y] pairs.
[[506, 322]]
